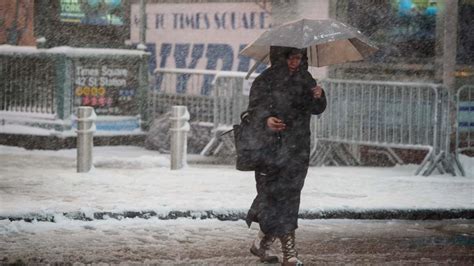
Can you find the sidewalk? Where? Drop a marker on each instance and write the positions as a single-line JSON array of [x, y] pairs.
[[133, 182]]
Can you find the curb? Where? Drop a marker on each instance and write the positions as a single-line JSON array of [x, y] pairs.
[[386, 214]]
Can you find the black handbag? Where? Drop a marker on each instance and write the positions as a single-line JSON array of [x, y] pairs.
[[251, 152], [253, 146]]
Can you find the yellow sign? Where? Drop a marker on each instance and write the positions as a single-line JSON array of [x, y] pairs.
[[90, 91]]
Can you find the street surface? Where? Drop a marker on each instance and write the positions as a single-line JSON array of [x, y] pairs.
[[213, 242]]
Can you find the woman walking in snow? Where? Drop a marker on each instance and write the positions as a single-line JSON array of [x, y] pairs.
[[282, 100]]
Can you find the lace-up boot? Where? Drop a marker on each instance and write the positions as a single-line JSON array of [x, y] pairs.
[[290, 255], [261, 247]]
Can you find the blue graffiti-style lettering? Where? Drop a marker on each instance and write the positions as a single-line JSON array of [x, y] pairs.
[[180, 54], [151, 48], [223, 52], [214, 53], [244, 61], [261, 68], [181, 51], [164, 53], [198, 52]]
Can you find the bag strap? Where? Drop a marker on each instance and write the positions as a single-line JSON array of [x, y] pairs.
[[227, 132], [244, 116]]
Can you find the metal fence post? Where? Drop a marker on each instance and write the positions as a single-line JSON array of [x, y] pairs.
[[464, 124], [85, 131], [144, 91], [180, 127], [64, 86]]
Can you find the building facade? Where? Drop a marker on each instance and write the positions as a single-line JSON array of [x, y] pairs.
[[16, 22]]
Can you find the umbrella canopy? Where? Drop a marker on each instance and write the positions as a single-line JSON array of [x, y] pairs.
[[327, 41]]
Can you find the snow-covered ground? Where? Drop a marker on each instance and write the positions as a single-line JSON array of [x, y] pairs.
[[127, 178]]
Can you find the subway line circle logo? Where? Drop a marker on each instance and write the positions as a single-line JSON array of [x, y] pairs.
[[90, 91]]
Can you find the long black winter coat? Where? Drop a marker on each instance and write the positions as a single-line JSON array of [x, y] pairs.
[[280, 178]]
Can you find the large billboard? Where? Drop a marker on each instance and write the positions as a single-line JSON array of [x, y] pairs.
[[201, 35]]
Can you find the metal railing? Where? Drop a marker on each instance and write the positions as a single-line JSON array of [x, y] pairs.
[[382, 113], [200, 107], [181, 87], [385, 114], [465, 122], [211, 96], [231, 98], [27, 84]]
